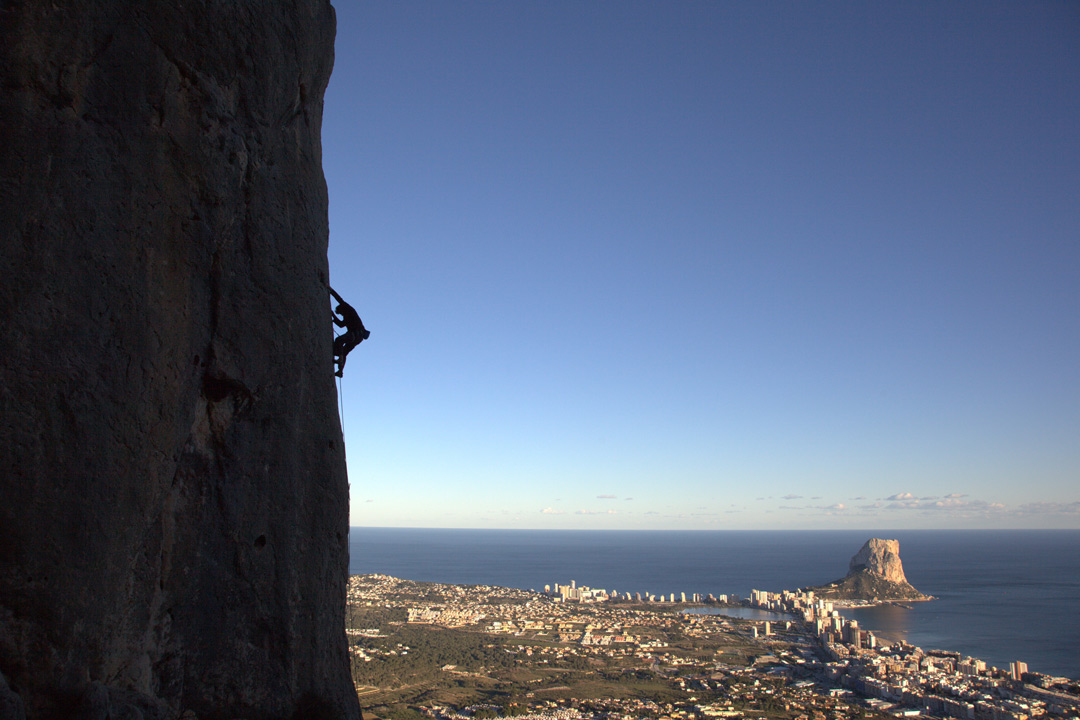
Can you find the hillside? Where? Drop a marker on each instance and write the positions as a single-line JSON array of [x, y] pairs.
[[865, 585]]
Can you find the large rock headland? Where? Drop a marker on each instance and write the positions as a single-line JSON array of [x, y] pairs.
[[875, 574]]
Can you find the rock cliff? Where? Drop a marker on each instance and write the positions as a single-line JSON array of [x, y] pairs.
[[875, 573], [881, 558], [173, 502]]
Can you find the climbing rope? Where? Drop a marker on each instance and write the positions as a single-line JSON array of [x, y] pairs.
[[341, 405], [341, 396]]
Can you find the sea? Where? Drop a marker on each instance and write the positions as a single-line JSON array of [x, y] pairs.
[[1002, 595]]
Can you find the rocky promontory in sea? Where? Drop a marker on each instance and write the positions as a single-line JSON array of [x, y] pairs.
[[173, 497], [875, 574]]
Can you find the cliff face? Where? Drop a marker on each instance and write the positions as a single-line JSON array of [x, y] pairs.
[[173, 502], [880, 557]]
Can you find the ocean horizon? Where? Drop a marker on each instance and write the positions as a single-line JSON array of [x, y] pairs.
[[1001, 595]]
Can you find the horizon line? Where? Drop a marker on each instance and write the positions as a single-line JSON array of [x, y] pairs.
[[713, 530]]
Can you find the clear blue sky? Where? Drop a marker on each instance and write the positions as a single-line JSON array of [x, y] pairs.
[[709, 264]]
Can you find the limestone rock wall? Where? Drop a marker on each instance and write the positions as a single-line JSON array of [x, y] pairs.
[[880, 557], [173, 499]]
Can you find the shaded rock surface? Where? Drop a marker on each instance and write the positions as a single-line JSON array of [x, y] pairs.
[[173, 502], [11, 705], [875, 573]]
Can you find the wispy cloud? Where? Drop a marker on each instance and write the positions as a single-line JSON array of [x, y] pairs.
[[597, 512], [552, 511], [953, 506], [792, 497], [606, 497], [1049, 508]]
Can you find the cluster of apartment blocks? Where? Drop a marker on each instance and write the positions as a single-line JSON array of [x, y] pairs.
[[827, 623], [585, 594], [938, 682]]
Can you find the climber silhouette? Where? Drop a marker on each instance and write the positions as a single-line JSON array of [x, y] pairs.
[[355, 332]]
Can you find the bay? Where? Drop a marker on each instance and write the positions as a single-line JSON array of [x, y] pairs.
[[1002, 595]]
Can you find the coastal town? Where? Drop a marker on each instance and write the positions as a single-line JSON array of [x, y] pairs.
[[573, 652], [902, 679]]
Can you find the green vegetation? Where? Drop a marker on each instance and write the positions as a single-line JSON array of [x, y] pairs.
[[373, 617]]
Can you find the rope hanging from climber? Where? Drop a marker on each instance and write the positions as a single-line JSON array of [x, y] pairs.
[[355, 332]]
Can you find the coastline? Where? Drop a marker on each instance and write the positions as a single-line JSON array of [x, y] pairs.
[[879, 603], [986, 584], [587, 658]]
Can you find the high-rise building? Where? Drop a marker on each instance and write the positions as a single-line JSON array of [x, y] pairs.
[[852, 634], [971, 666]]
